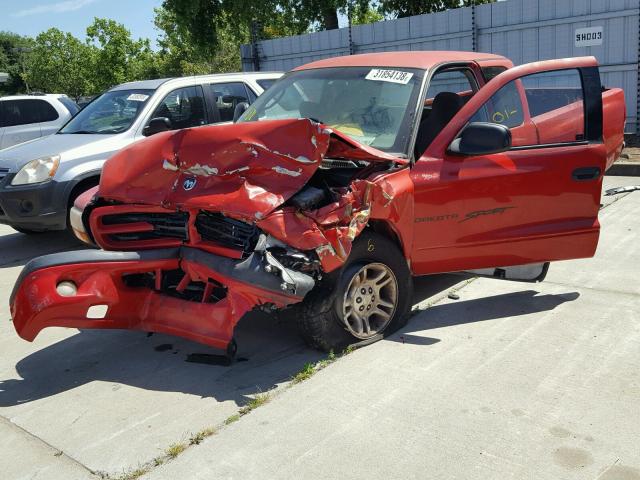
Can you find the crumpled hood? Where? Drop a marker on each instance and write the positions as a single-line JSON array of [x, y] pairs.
[[245, 170]]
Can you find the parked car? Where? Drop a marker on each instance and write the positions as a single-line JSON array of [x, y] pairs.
[[344, 180], [25, 117], [40, 180]]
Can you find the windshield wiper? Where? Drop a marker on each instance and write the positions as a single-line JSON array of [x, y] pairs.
[[82, 132]]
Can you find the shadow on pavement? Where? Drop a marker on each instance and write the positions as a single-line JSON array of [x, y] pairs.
[[17, 248], [487, 308], [273, 354], [272, 350]]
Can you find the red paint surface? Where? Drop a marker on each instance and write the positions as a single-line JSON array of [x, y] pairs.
[[415, 59], [37, 305]]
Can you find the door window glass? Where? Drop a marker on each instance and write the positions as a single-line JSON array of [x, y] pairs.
[[70, 105], [265, 83], [40, 111], [183, 107], [491, 72], [504, 107], [554, 100], [227, 96], [23, 112], [252, 95], [456, 81]]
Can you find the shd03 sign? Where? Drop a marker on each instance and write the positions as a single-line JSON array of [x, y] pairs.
[[588, 37]]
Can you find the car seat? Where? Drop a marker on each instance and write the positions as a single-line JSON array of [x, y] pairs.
[[445, 106]]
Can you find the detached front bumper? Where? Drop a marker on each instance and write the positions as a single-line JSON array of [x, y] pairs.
[[179, 291]]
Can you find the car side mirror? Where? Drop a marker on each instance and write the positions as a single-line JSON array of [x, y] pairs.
[[157, 125], [239, 110], [481, 138]]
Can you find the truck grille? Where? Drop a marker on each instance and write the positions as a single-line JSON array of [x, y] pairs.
[[227, 232], [171, 225]]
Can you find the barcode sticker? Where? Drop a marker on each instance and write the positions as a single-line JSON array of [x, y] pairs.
[[393, 76]]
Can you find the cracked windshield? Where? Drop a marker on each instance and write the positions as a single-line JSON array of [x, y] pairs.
[[373, 106]]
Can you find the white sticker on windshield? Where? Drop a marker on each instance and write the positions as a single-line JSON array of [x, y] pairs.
[[393, 76], [138, 97]]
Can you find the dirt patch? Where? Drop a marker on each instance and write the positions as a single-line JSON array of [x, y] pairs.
[[572, 458]]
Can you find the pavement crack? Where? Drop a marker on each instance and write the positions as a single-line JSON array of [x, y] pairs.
[[54, 450], [583, 287]]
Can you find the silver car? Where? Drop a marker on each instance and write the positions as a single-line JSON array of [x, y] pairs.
[[39, 180], [25, 117]]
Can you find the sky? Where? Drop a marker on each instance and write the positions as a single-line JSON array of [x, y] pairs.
[[30, 17]]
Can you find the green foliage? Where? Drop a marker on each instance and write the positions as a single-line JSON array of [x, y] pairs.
[[180, 55], [116, 56], [361, 15], [407, 8], [12, 62], [60, 63]]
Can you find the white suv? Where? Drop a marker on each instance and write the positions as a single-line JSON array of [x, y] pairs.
[[25, 117], [40, 180]]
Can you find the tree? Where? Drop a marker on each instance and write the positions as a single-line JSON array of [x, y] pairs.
[[407, 8], [60, 63], [117, 57], [201, 20], [12, 61], [361, 15], [179, 55]]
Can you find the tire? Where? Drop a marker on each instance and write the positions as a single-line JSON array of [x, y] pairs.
[[27, 231], [329, 318]]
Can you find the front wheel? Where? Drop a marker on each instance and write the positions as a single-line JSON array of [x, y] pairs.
[[369, 298]]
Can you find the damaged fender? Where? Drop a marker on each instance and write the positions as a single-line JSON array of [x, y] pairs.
[[192, 220]]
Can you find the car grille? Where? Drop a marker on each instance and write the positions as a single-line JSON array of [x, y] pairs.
[[227, 232], [165, 225]]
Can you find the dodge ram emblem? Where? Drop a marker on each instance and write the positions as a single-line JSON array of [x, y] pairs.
[[189, 183]]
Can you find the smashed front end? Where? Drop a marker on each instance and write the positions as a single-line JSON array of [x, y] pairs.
[[201, 226]]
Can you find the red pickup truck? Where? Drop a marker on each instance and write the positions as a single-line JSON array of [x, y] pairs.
[[339, 184]]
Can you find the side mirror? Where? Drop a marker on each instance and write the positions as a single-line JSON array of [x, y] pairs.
[[157, 125], [480, 138], [239, 110]]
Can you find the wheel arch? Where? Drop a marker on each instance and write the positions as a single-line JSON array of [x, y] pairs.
[[387, 230], [82, 183]]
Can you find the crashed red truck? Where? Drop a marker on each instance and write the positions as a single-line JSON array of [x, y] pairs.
[[343, 181]]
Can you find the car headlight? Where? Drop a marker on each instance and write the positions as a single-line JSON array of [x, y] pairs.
[[37, 171]]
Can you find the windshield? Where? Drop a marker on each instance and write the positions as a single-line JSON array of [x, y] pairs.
[[112, 112], [375, 106]]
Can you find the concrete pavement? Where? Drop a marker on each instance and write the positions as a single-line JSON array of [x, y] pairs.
[[511, 381]]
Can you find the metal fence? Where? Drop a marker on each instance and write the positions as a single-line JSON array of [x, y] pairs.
[[522, 30]]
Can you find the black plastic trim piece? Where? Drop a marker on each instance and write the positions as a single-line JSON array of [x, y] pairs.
[[592, 91], [550, 145]]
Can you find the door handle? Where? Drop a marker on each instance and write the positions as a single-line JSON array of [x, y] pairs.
[[586, 173]]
